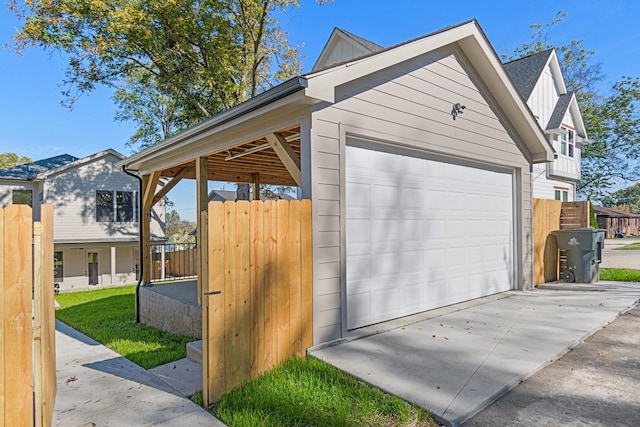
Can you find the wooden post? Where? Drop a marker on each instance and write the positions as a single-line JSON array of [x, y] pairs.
[[145, 223], [256, 186], [202, 200]]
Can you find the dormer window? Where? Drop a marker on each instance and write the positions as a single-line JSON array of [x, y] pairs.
[[571, 143], [567, 142]]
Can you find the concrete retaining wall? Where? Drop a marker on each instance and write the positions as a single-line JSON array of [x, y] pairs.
[[169, 314]]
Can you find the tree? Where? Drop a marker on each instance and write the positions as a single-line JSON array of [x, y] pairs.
[[626, 199], [204, 56], [156, 115], [9, 160], [178, 230], [611, 119]]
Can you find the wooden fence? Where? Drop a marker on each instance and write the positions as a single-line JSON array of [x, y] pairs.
[[27, 335], [548, 216], [259, 258]]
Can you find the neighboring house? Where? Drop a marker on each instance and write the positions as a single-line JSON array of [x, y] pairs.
[[417, 203], [617, 223], [95, 215], [539, 79], [222, 196]]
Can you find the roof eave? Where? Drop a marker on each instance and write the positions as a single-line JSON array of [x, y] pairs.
[[279, 92]]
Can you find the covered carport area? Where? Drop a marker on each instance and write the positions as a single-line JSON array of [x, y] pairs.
[[250, 246]]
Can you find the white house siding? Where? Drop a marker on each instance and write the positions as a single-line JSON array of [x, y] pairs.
[[73, 193], [342, 51], [565, 166], [544, 97], [411, 107], [544, 188], [8, 186], [75, 268]]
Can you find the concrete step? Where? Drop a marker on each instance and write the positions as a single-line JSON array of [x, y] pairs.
[[194, 351]]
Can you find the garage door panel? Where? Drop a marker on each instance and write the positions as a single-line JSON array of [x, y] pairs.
[[437, 234]]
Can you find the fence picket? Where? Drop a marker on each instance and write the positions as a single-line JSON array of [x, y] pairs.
[[260, 256], [18, 356], [2, 317]]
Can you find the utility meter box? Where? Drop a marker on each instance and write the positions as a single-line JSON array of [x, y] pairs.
[[584, 253]]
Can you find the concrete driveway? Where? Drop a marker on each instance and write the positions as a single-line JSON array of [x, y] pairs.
[[457, 360], [596, 384], [612, 258]]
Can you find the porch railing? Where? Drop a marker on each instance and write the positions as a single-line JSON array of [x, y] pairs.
[[172, 261]]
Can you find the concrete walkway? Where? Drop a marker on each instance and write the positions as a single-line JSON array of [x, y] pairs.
[[457, 360], [97, 387]]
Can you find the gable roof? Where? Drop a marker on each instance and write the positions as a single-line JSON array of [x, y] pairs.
[[561, 109], [371, 46], [467, 38], [320, 86], [338, 34], [223, 194], [525, 72], [29, 171], [41, 169]]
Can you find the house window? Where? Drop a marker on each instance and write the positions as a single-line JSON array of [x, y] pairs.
[[116, 206], [571, 143], [562, 194], [567, 143], [563, 144], [124, 206], [58, 266], [22, 197], [104, 206]]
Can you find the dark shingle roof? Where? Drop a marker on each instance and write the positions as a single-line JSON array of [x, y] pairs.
[[526, 71], [373, 47], [29, 171], [602, 211], [561, 109]]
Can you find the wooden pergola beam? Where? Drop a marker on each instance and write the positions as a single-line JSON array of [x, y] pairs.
[[169, 186], [286, 155], [150, 188]]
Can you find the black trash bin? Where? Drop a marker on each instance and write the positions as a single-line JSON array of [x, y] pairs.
[[584, 253]]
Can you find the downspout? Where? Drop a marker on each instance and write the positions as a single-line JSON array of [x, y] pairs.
[[141, 248]]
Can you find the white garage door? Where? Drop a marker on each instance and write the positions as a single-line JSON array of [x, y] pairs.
[[423, 234]]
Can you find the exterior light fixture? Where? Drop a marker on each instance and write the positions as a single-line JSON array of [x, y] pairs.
[[457, 109]]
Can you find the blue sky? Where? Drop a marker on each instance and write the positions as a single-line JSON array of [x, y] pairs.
[[33, 123]]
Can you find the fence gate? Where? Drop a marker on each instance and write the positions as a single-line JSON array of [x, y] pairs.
[[27, 334], [259, 260]]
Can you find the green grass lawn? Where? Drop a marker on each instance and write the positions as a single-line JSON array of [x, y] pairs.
[[620, 275], [630, 247], [309, 392], [302, 392], [108, 316]]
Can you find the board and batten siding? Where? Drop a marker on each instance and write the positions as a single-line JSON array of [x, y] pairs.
[[565, 166], [410, 107], [544, 97]]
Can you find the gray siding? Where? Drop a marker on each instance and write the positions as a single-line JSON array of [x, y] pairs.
[[73, 194], [411, 108]]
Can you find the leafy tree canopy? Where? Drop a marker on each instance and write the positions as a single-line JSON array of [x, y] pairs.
[[626, 199], [9, 160], [611, 117], [194, 58]]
